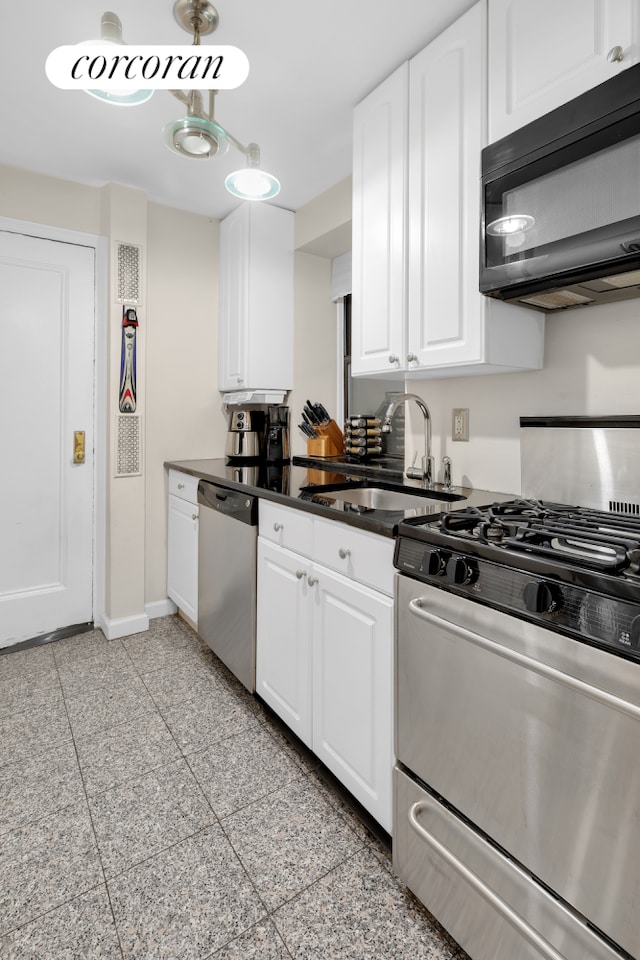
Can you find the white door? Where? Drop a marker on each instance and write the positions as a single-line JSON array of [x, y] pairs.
[[47, 332]]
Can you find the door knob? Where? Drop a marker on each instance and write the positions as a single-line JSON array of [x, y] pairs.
[[312, 581], [615, 54], [412, 358], [301, 574], [343, 554], [393, 358], [277, 527]]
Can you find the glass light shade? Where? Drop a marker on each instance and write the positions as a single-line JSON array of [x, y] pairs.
[[252, 183], [196, 137], [111, 33], [514, 223]]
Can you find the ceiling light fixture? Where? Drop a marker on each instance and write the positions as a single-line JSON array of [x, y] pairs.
[[197, 135], [111, 32]]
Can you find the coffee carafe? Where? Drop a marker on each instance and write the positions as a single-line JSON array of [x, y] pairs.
[[276, 438]]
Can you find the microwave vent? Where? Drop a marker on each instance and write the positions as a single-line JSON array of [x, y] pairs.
[[631, 279], [557, 300]]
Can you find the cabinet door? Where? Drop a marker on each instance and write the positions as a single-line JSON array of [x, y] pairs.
[[283, 643], [234, 307], [379, 202], [352, 688], [445, 137], [543, 53], [182, 556]]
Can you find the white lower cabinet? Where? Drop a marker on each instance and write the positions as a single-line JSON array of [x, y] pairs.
[[352, 688], [283, 641], [324, 659], [182, 543]]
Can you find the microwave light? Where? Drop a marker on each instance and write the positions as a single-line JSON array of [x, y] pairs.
[[514, 223]]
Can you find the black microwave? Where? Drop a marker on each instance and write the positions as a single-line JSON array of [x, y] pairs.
[[560, 220]]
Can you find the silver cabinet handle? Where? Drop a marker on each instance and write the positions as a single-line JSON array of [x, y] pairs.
[[615, 54], [393, 358], [301, 574], [194, 516], [519, 923], [343, 554], [312, 581], [181, 486], [239, 379], [277, 527], [412, 358], [542, 669]]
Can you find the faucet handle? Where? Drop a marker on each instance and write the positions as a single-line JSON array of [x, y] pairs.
[[446, 480]]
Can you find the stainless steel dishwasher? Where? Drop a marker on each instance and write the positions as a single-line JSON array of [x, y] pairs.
[[227, 548]]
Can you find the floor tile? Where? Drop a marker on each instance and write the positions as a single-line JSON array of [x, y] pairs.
[[33, 731], [359, 912], [177, 683], [105, 668], [81, 646], [238, 770], [80, 930], [45, 864], [143, 816], [185, 902], [37, 786], [31, 662], [150, 652], [124, 751], [199, 723], [262, 942], [289, 840], [101, 707], [18, 694]]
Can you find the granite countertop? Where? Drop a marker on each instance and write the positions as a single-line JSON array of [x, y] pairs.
[[296, 485]]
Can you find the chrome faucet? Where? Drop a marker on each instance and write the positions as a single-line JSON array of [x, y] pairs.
[[426, 473]]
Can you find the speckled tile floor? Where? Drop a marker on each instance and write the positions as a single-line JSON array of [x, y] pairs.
[[150, 808]]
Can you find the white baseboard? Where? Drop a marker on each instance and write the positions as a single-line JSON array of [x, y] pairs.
[[123, 626], [160, 608]]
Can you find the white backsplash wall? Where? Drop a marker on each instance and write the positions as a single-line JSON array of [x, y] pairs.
[[591, 367]]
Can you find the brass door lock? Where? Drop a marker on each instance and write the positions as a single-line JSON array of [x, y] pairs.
[[78, 446]]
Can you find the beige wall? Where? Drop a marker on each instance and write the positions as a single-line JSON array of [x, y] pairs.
[[591, 367], [184, 418]]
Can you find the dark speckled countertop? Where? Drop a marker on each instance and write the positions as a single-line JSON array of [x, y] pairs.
[[296, 485]]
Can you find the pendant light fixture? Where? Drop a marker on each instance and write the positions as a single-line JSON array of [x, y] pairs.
[[111, 32], [197, 135]]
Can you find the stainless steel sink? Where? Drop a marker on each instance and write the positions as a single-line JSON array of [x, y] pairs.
[[373, 496]]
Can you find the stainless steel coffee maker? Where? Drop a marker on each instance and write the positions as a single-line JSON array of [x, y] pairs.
[[245, 436]]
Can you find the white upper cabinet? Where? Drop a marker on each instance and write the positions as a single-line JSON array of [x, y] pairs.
[[379, 227], [417, 309], [543, 53], [255, 345]]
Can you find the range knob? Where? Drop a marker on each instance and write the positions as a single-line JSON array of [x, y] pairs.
[[538, 597], [459, 570], [433, 563]]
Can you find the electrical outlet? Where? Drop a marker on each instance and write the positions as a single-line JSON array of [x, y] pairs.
[[460, 425]]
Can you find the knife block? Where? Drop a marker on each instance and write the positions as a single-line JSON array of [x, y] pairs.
[[329, 443]]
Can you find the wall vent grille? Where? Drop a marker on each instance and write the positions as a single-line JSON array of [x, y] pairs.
[[128, 446], [128, 284], [622, 506]]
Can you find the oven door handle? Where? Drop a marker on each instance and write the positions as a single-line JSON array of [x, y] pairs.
[[536, 666], [508, 913]]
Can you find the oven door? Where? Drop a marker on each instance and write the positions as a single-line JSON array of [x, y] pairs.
[[532, 736]]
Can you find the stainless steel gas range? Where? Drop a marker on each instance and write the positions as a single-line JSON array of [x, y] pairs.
[[517, 788]]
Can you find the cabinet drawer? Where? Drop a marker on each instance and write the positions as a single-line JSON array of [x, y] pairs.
[[357, 554], [287, 527], [183, 485]]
